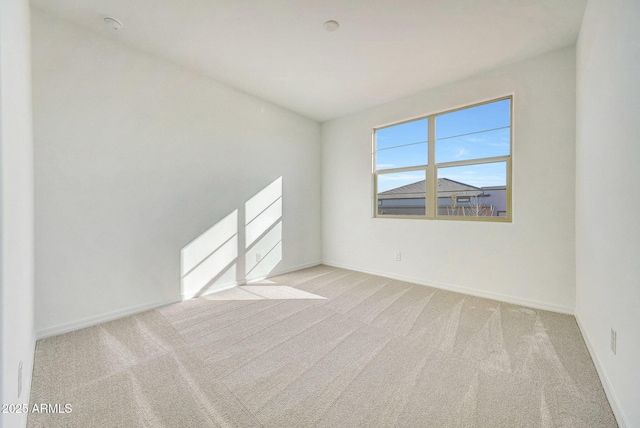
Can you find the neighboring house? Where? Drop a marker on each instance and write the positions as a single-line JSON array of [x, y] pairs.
[[454, 198]]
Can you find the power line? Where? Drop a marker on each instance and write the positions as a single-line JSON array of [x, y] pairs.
[[471, 133]]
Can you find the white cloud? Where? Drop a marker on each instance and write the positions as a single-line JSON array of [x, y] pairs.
[[462, 152]]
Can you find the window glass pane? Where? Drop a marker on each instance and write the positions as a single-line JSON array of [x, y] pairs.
[[474, 133], [405, 133], [475, 146], [402, 193], [473, 190], [400, 157], [473, 119]]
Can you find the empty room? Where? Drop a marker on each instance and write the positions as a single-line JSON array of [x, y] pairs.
[[319, 213]]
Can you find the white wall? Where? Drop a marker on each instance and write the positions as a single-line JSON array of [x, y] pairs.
[[531, 260], [607, 204], [136, 157], [17, 337]]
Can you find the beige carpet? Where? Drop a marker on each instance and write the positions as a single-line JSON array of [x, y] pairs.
[[332, 348]]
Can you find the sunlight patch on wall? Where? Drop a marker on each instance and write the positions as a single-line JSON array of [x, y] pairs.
[[263, 231], [267, 251], [219, 259], [208, 262], [262, 211]]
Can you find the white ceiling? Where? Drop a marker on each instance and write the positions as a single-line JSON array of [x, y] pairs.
[[278, 49]]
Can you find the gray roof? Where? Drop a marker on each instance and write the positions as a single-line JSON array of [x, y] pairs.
[[446, 188], [413, 190]]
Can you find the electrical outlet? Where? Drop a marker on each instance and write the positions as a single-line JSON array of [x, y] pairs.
[[19, 378], [258, 257], [614, 340], [398, 257]]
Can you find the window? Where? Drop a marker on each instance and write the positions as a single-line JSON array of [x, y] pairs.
[[451, 165]]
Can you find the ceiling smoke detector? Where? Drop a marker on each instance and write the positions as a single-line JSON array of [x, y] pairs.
[[331, 26], [112, 23]]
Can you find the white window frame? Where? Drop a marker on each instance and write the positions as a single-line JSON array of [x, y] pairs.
[[431, 170]]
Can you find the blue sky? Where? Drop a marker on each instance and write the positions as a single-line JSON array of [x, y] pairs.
[[474, 133]]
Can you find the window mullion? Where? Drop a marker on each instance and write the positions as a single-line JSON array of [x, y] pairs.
[[509, 190], [374, 174], [432, 185], [476, 161], [403, 169]]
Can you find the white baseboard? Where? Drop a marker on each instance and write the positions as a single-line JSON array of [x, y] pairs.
[[27, 375], [464, 290], [120, 313], [606, 384], [97, 319]]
